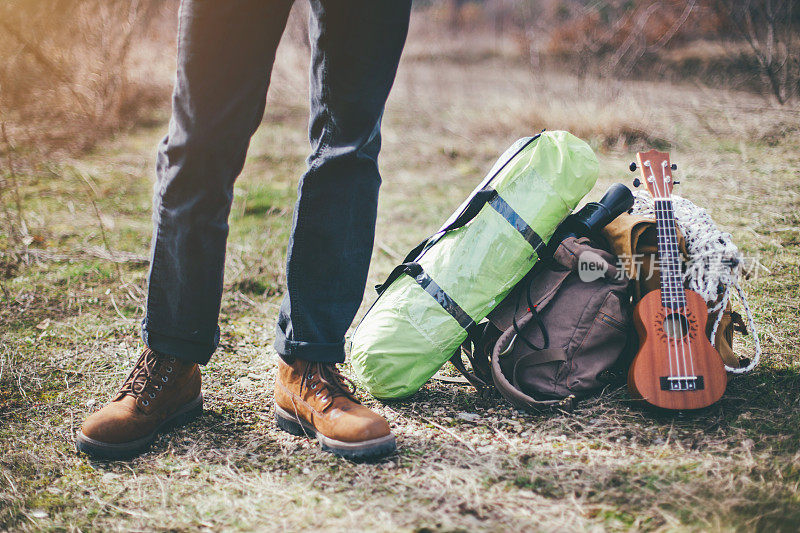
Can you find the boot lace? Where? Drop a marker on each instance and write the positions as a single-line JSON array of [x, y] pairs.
[[331, 383], [148, 377]]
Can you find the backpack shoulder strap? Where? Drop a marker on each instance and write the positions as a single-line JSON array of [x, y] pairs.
[[477, 349], [510, 391]]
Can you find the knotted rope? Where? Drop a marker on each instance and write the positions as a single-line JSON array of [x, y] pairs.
[[714, 265]]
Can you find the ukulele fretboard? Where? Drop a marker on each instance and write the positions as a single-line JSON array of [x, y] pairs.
[[669, 256]]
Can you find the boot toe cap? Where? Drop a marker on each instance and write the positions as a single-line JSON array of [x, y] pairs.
[[111, 426], [362, 425]]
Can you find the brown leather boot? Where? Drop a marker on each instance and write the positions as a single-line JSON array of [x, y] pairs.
[[315, 399], [160, 392]]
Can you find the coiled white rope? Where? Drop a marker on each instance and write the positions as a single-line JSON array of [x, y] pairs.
[[714, 262]]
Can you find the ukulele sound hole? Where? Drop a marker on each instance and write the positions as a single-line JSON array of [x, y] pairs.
[[676, 325]]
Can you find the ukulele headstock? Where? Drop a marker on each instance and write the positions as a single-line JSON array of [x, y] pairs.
[[656, 172]]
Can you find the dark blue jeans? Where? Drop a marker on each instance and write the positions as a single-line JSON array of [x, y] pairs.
[[226, 49]]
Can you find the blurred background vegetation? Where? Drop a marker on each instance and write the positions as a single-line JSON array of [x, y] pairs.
[[74, 70], [69, 75]]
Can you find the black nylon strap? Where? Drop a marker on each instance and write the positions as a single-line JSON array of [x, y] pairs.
[[476, 203], [513, 218], [470, 211], [480, 199], [447, 303]]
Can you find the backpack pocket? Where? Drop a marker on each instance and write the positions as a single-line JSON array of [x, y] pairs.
[[602, 345]]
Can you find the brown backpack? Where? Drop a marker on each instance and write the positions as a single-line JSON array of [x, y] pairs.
[[559, 335]]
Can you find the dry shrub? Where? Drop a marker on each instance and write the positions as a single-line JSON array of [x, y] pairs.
[[64, 69], [639, 38], [458, 15], [769, 27], [624, 32]]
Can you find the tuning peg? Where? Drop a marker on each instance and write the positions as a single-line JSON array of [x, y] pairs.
[[637, 182], [632, 166], [673, 166]]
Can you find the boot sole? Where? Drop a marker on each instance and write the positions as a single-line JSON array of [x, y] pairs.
[[126, 450], [355, 451]]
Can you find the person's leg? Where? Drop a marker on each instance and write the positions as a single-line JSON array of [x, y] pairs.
[[356, 50], [225, 54]]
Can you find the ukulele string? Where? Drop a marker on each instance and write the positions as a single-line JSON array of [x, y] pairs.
[[665, 292], [675, 263], [675, 284], [668, 274], [659, 234]]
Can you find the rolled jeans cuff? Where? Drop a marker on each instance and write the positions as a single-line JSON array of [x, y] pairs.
[[308, 351], [186, 350]]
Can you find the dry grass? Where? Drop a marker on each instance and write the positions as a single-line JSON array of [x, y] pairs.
[[70, 318]]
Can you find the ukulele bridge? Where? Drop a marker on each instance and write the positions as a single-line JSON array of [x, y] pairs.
[[682, 383]]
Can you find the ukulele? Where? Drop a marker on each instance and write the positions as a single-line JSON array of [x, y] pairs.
[[676, 366]]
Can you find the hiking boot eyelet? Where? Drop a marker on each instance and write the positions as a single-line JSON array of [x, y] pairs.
[[157, 387], [314, 386], [319, 392], [169, 369], [145, 403], [324, 399], [152, 395], [165, 378]]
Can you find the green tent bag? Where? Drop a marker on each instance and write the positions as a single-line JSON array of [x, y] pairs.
[[458, 275]]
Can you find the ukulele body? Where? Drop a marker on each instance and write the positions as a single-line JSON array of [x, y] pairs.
[[676, 366]]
